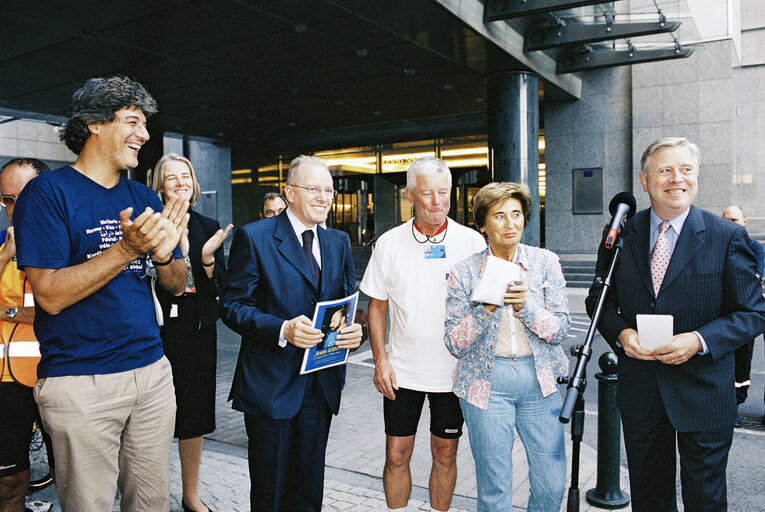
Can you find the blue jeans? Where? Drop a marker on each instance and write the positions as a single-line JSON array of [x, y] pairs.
[[516, 401]]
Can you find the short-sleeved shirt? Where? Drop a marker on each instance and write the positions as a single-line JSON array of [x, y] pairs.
[[62, 219], [412, 277]]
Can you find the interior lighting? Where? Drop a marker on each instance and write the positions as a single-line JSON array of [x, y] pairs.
[[482, 150], [469, 162]]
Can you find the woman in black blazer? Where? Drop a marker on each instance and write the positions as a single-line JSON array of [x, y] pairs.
[[189, 335]]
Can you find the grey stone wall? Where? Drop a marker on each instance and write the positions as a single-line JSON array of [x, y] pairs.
[[748, 177], [711, 98], [692, 98], [32, 139], [594, 131]]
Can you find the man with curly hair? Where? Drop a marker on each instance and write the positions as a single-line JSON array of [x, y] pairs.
[[85, 236]]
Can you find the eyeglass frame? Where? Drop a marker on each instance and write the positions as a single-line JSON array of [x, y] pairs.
[[316, 190], [3, 198]]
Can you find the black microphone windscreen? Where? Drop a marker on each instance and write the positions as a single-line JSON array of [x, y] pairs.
[[623, 198]]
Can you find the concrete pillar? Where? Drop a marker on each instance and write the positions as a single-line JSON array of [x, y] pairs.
[[513, 133]]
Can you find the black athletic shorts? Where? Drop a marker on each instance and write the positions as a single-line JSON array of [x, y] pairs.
[[403, 414], [17, 413]]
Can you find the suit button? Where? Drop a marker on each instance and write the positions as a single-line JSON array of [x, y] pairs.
[[653, 304]]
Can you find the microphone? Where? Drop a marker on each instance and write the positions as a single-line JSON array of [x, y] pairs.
[[621, 207]]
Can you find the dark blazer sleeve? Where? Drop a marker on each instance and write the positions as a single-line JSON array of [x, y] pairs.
[[240, 303], [759, 254], [348, 265], [743, 307]]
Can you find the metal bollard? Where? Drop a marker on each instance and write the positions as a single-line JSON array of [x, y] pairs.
[[607, 493]]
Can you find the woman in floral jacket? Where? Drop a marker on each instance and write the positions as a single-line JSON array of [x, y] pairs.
[[510, 357]]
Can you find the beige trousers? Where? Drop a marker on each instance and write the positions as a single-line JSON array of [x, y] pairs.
[[111, 430]]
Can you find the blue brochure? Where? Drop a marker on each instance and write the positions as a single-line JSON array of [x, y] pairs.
[[330, 317]]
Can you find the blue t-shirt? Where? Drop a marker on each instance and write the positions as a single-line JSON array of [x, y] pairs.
[[62, 219]]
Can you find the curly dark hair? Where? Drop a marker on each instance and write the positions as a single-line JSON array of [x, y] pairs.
[[97, 101]]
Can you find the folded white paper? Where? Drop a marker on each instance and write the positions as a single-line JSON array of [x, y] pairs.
[[654, 331], [497, 276]]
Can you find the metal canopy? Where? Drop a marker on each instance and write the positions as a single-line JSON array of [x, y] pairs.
[[507, 9], [588, 58], [562, 34]]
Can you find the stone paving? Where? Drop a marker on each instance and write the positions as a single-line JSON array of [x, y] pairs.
[[355, 453]]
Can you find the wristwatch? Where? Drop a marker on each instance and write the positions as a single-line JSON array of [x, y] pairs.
[[11, 312]]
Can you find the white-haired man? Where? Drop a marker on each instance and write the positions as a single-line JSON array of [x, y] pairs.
[[406, 277]]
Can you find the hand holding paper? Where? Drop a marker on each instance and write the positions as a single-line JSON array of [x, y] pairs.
[[683, 347], [654, 331], [497, 276]]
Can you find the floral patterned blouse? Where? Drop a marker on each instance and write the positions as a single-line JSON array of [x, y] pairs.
[[471, 331]]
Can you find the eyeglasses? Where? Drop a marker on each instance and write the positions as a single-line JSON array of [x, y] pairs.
[[7, 201], [316, 190]]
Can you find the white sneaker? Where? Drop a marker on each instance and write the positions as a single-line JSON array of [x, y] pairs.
[[37, 505]]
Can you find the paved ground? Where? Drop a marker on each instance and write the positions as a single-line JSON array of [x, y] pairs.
[[355, 454]]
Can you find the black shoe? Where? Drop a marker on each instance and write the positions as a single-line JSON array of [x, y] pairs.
[[762, 420], [187, 509]]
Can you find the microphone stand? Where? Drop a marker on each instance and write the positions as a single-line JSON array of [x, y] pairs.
[[573, 404]]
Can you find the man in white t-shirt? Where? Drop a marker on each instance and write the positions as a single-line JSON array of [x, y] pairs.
[[406, 277]]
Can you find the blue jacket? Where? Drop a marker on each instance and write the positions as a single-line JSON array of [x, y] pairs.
[[269, 281]]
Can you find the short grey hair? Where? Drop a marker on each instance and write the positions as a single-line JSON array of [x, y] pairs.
[[426, 166], [668, 142], [299, 161]]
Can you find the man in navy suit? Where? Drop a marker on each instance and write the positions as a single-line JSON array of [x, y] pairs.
[[689, 263], [279, 268]]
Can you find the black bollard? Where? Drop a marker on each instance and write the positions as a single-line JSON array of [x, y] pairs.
[[607, 493]]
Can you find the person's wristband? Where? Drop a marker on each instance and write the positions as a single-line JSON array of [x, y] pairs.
[[208, 265], [164, 263]]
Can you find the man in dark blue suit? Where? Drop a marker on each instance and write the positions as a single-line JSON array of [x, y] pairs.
[[279, 268], [685, 262]]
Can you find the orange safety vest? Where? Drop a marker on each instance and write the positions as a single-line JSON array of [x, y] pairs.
[[21, 350]]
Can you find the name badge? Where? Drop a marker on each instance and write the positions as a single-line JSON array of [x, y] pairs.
[[173, 310], [433, 252], [29, 300]]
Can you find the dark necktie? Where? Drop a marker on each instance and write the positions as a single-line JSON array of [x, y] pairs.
[[308, 251]]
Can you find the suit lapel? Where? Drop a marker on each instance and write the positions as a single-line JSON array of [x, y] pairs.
[[688, 243], [637, 248], [290, 247]]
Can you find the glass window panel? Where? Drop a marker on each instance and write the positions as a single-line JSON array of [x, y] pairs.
[[344, 162], [398, 157]]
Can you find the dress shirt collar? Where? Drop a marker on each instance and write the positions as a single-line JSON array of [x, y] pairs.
[[676, 223], [299, 227]]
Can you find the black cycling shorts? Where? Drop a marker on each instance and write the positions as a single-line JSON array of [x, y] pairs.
[[403, 414], [17, 414]]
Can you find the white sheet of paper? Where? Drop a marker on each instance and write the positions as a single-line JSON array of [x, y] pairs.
[[497, 275], [654, 331]]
